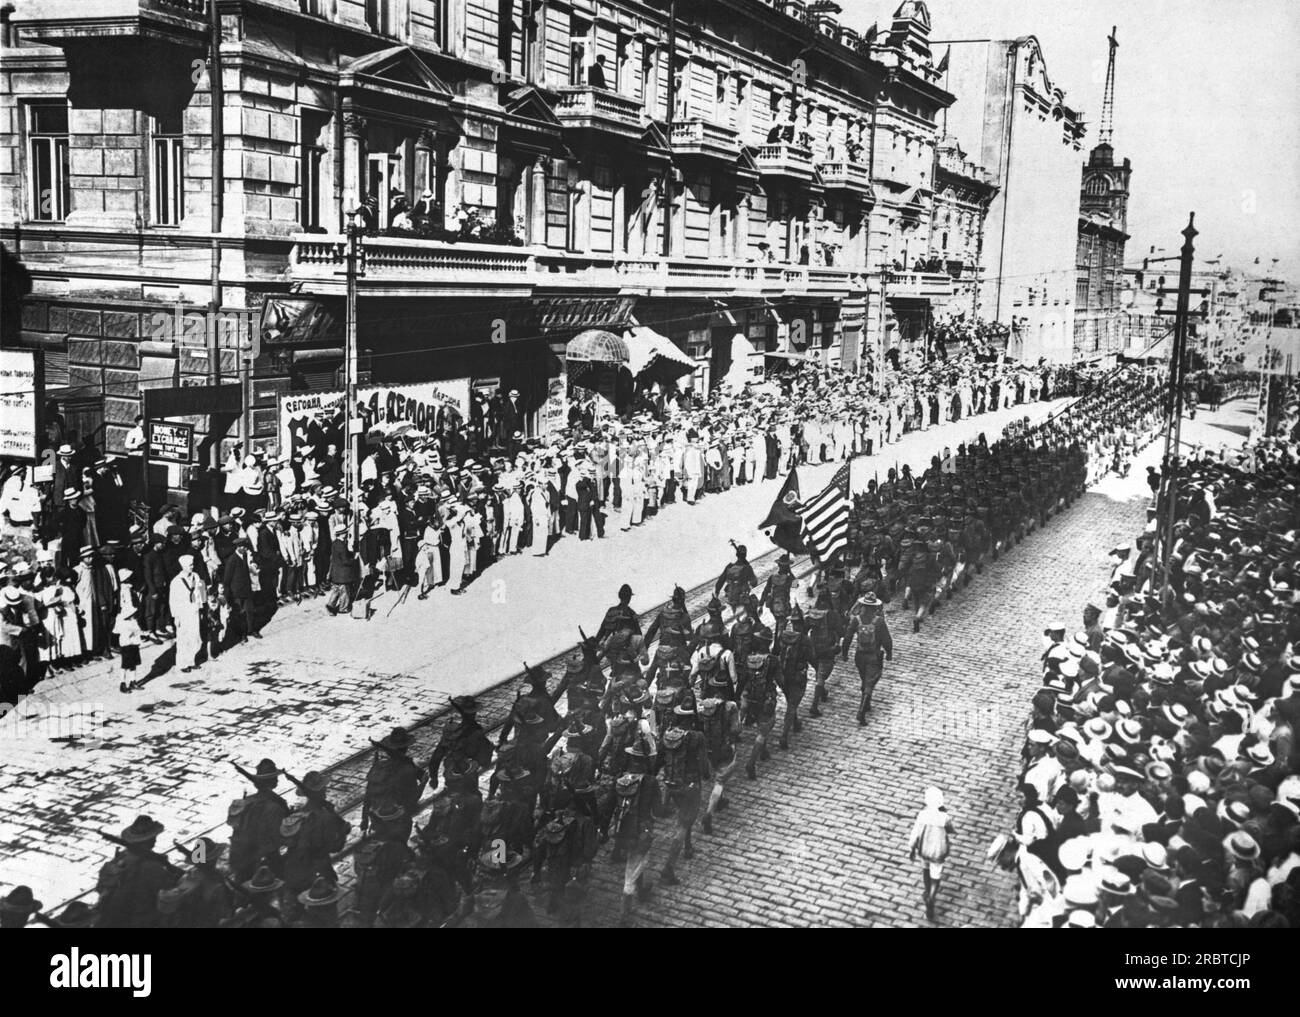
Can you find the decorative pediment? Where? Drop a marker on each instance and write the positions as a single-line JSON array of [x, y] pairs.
[[396, 69], [527, 103]]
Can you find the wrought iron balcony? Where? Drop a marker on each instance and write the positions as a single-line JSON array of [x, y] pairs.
[[918, 285]]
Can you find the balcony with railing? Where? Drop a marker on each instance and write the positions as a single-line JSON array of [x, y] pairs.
[[398, 266], [57, 20], [785, 159], [582, 107], [704, 138], [843, 175], [918, 285]]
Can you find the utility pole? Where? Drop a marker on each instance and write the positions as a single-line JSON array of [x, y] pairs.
[[355, 267], [1174, 403], [669, 173], [216, 129]]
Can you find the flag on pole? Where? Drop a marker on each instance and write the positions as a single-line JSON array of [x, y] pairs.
[[783, 518], [870, 37], [826, 517], [943, 62]]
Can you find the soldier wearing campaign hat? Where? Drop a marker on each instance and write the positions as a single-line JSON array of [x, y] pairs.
[[874, 647]]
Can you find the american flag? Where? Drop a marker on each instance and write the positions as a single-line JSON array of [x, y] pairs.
[[826, 517]]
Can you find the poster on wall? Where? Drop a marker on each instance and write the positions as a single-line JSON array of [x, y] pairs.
[[555, 411], [18, 403], [311, 419], [170, 443]]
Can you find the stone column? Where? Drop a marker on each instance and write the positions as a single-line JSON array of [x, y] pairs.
[[537, 221], [354, 129]]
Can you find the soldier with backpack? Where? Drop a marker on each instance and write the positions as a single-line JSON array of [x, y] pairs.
[[720, 720], [129, 882], [381, 860], [254, 822], [875, 645], [565, 848], [453, 834], [825, 630], [685, 768], [640, 796], [760, 675], [310, 836], [393, 779], [795, 653], [200, 899]]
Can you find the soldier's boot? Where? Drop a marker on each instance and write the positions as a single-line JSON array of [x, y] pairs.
[[814, 711], [750, 772], [643, 889], [707, 824], [783, 743], [668, 877], [625, 913], [688, 850]]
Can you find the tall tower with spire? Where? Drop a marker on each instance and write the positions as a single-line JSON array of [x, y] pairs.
[[1105, 185]]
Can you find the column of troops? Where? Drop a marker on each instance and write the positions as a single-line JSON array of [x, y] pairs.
[[652, 729]]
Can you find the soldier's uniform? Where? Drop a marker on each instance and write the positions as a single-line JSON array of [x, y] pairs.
[[498, 903], [565, 847], [381, 860], [200, 899], [795, 654], [776, 595], [259, 911], [737, 580], [640, 796], [874, 646], [129, 883], [720, 719], [254, 822], [620, 616], [685, 768], [509, 817], [451, 837], [310, 836], [463, 741], [318, 905], [393, 780], [825, 630], [760, 675], [401, 906]]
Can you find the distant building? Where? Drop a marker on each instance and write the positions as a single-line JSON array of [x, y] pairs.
[[1103, 218], [1015, 122]]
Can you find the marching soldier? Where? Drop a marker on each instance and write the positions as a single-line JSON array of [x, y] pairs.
[[452, 836], [776, 594], [672, 624], [737, 579], [619, 616], [200, 899], [463, 740], [259, 911], [565, 847], [497, 902], [713, 661], [796, 655], [720, 719], [712, 628], [381, 860], [685, 769], [393, 779], [759, 677], [129, 883], [825, 630], [640, 796], [310, 836], [874, 647], [254, 822], [319, 905]]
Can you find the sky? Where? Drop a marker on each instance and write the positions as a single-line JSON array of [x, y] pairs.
[[1207, 107]]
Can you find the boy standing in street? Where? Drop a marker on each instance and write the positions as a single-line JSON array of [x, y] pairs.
[[930, 838]]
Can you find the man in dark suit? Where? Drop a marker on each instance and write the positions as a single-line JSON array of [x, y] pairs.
[[269, 559], [110, 501], [511, 416], [237, 578], [596, 73]]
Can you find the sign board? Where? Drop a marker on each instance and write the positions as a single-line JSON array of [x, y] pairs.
[[423, 406], [554, 417], [18, 403], [170, 443]]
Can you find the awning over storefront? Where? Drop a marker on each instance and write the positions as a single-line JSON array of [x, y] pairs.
[[655, 357], [596, 346]]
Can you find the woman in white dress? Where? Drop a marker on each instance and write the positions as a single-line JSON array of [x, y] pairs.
[[458, 549], [428, 556]]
